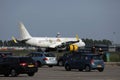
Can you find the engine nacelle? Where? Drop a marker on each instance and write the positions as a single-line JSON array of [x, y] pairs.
[[73, 47]]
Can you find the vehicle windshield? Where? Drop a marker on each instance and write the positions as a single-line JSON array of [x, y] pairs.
[[26, 59], [49, 55], [97, 57]]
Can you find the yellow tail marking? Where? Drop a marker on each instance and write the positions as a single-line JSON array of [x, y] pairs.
[[77, 37], [13, 38]]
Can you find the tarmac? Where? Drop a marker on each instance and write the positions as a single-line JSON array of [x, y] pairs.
[[112, 63]]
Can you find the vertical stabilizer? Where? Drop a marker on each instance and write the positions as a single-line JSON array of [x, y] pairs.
[[24, 34]]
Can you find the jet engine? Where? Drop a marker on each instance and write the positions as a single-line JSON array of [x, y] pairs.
[[73, 47]]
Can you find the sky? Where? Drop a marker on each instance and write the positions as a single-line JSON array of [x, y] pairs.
[[92, 19]]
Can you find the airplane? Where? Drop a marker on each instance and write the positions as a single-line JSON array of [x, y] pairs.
[[49, 43]]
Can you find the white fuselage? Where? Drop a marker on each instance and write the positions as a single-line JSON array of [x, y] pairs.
[[52, 42], [48, 42]]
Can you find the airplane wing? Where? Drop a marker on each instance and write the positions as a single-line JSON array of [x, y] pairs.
[[71, 42], [64, 44], [19, 41], [55, 45]]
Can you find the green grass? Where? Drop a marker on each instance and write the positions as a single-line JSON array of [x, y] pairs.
[[115, 57]]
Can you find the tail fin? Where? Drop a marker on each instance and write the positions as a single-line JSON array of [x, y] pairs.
[[24, 34], [77, 37]]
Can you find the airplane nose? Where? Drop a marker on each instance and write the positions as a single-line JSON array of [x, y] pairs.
[[83, 44]]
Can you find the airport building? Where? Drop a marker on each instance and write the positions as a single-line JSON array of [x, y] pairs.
[[111, 48]]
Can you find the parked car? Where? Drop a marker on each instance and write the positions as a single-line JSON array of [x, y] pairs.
[[62, 59], [43, 58], [17, 65], [85, 62]]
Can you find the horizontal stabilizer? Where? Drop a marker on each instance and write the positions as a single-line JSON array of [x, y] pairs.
[[13, 38]]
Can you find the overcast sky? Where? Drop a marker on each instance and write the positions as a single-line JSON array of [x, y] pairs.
[[96, 19]]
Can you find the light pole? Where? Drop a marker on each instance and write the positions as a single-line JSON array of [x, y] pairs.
[[114, 33]]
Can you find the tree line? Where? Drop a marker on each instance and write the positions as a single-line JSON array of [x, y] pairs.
[[91, 42], [88, 42], [11, 43]]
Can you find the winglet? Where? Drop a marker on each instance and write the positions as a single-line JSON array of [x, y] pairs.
[[77, 37], [13, 38]]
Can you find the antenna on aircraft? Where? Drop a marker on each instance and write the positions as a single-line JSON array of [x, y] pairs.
[[58, 35]]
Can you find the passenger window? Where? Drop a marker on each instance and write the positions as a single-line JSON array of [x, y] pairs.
[[82, 57], [86, 58], [76, 58], [41, 55], [36, 55], [30, 55], [33, 55], [13, 60], [1, 59], [6, 60]]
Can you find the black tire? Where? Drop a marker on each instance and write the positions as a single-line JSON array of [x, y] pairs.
[[39, 64], [31, 74], [100, 69], [87, 68], [80, 69], [67, 67], [60, 63], [50, 66], [13, 73], [6, 74]]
